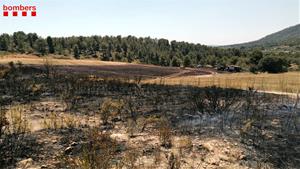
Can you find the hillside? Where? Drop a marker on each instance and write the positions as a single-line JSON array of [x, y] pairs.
[[289, 36]]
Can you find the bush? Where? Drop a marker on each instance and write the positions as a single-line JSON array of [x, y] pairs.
[[175, 62], [98, 153], [3, 121], [110, 109], [273, 64], [106, 110], [131, 127], [253, 69], [165, 133], [17, 120], [15, 141]]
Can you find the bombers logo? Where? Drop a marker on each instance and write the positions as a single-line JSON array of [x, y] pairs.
[[19, 10]]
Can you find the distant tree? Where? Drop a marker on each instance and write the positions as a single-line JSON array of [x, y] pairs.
[[163, 61], [233, 60], [19, 40], [273, 64], [41, 46], [173, 46], [187, 61], [211, 60], [163, 44], [118, 57], [130, 56], [31, 38], [125, 47], [255, 57], [175, 62], [128, 49], [236, 52], [50, 45], [118, 48], [253, 69], [76, 52], [5, 42], [154, 59], [106, 56]]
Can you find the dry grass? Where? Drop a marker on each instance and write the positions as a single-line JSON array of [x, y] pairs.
[[94, 66], [17, 120], [284, 82], [35, 60]]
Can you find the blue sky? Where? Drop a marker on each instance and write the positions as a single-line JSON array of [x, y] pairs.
[[211, 22]]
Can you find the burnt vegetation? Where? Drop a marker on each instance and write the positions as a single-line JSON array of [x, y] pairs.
[[265, 125]]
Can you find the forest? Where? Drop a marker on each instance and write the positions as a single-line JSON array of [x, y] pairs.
[[142, 50]]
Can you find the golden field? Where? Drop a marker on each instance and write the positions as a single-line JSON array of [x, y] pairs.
[[284, 82]]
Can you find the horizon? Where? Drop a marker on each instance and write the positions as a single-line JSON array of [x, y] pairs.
[[152, 37], [212, 23]]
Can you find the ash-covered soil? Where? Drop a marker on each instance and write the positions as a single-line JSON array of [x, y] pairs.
[[74, 121]]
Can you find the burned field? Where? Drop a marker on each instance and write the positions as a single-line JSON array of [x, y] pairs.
[[50, 119], [103, 69], [131, 71]]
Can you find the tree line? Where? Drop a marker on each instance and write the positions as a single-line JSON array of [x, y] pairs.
[[126, 49]]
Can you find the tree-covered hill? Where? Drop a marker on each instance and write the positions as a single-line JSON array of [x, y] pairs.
[[287, 37]]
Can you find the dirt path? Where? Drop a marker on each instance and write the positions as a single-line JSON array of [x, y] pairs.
[[292, 95]]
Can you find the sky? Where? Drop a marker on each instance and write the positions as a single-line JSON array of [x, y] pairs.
[[210, 22]]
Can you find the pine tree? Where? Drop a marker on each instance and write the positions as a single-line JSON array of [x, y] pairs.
[[50, 45], [41, 46], [187, 61], [5, 42], [76, 52]]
